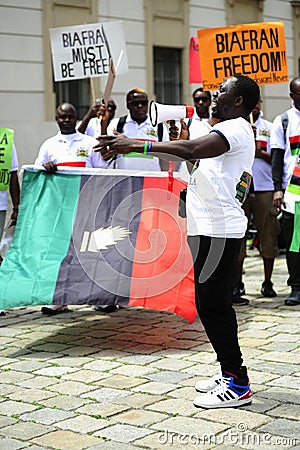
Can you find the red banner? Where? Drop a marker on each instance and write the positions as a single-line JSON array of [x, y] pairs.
[[194, 62]]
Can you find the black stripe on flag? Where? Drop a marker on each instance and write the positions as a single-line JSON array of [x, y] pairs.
[[98, 265]]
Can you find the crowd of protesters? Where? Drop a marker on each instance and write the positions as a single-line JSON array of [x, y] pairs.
[[251, 162]]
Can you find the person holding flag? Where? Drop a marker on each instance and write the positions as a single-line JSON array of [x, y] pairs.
[[68, 148], [8, 178], [285, 147], [216, 225]]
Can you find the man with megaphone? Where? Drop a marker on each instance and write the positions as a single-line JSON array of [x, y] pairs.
[[216, 224]]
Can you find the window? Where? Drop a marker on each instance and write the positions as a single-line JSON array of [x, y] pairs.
[[167, 75], [57, 14], [76, 92]]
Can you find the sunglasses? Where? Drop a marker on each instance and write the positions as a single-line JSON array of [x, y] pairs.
[[204, 99], [139, 102], [113, 107]]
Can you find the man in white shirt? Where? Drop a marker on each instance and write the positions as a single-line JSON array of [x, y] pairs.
[[285, 147], [202, 102], [137, 125], [14, 190], [68, 148], [97, 119], [259, 204], [216, 224]]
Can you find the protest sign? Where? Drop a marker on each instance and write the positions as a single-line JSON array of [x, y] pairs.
[[255, 49], [6, 145], [84, 51]]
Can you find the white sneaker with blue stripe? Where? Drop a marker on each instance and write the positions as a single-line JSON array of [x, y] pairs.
[[228, 392]]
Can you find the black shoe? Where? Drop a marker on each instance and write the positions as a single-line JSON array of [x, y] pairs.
[[267, 289], [239, 288], [238, 300], [293, 299], [54, 312], [106, 308]]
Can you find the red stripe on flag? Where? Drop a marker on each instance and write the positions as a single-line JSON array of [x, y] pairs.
[[263, 145], [296, 171], [73, 164], [294, 139], [162, 272]]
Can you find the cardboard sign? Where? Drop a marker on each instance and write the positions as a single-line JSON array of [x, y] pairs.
[[254, 49], [84, 51]]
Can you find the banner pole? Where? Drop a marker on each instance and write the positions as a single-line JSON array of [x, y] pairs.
[[92, 90]]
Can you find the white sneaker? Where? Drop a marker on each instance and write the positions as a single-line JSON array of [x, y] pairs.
[[227, 394], [208, 385]]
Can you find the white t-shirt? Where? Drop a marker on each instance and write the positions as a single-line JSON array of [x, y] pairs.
[[262, 171], [196, 126], [292, 134], [201, 128], [70, 150], [94, 127], [14, 167], [145, 132], [290, 146], [219, 185]]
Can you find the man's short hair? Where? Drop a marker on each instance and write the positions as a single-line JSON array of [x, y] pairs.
[[135, 91], [66, 105], [247, 88], [293, 83], [201, 89]]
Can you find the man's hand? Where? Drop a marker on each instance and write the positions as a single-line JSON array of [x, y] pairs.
[[174, 131], [278, 200], [258, 151], [117, 144], [14, 215], [50, 166], [92, 112]]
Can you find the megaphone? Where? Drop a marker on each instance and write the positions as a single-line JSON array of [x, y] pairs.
[[160, 113]]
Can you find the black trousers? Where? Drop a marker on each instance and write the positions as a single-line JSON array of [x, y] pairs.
[[292, 258], [215, 262]]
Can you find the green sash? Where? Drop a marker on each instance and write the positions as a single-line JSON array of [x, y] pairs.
[[295, 244], [6, 144]]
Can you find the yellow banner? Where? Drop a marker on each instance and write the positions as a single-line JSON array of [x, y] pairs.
[[254, 49]]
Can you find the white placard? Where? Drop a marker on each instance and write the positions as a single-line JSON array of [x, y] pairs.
[[83, 51]]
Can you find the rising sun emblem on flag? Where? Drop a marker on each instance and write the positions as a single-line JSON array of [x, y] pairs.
[[103, 237]]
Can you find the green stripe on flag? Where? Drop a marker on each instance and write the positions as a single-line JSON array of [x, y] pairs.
[[295, 151], [294, 189], [29, 271], [137, 155], [295, 244]]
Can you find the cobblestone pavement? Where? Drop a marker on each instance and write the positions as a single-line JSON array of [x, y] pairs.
[[86, 380]]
